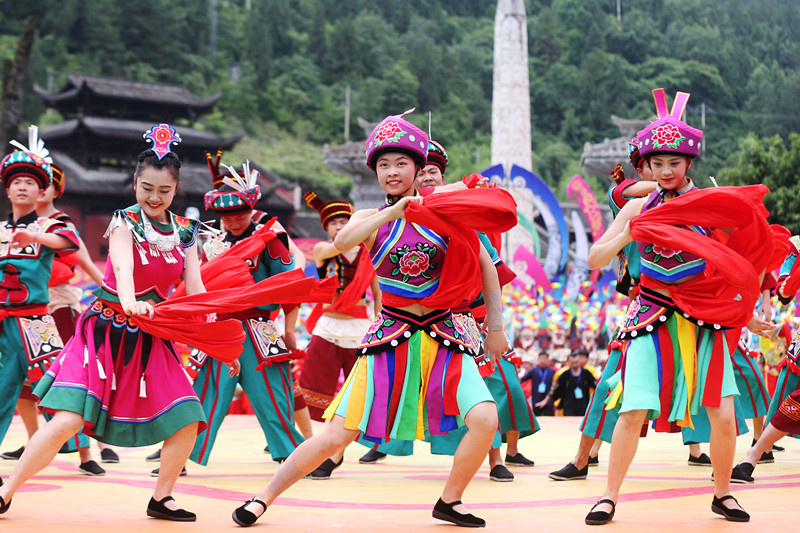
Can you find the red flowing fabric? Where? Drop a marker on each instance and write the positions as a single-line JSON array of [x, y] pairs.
[[458, 215], [230, 269], [726, 292], [179, 318], [791, 283], [351, 295]]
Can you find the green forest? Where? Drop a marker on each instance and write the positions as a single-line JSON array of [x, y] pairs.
[[282, 67]]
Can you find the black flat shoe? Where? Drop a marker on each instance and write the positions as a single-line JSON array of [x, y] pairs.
[[245, 518], [445, 511], [732, 515], [157, 509], [4, 505], [325, 470], [598, 518]]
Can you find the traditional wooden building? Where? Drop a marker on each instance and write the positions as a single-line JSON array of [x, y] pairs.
[[101, 136]]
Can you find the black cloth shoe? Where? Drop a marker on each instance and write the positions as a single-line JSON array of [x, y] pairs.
[[157, 509], [91, 468], [154, 472], [593, 461], [776, 448], [700, 460], [743, 473], [154, 457], [501, 473], [4, 505], [569, 473], [107, 455], [766, 457], [245, 518], [732, 515], [518, 460], [13, 456], [325, 470], [445, 511], [598, 518], [372, 457], [266, 448]]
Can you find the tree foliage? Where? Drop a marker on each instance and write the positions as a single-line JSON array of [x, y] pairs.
[[285, 64]]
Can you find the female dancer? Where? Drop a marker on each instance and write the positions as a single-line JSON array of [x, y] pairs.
[[113, 373], [674, 362], [413, 350]]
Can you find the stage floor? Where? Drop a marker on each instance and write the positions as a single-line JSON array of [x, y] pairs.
[[661, 493]]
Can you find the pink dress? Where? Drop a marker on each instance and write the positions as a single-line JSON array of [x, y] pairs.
[[129, 386]]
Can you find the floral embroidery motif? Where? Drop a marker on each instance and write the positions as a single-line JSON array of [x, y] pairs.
[[133, 216], [664, 253], [182, 221], [667, 135], [389, 132], [376, 328], [413, 263]]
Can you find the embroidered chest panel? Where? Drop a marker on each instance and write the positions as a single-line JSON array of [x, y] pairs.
[[408, 259]]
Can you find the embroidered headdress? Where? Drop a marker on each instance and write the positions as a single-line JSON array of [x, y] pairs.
[[328, 211], [58, 180], [32, 160], [396, 134], [437, 155], [669, 134], [245, 191], [162, 137]]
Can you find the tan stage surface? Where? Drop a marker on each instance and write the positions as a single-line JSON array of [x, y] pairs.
[[661, 493]]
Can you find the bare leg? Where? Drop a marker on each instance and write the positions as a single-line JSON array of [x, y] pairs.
[[42, 449], [85, 454], [494, 457], [307, 457], [29, 414], [769, 436], [758, 427], [595, 451], [723, 447], [584, 450], [512, 438], [623, 449], [174, 453], [481, 423], [694, 450], [302, 419]]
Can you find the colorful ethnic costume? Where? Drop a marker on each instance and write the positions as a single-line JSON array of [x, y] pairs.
[[414, 372], [677, 350], [266, 373], [784, 409], [334, 339], [129, 385], [29, 340], [29, 337], [266, 363]]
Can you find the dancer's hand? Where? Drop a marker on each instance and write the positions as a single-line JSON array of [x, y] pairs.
[[21, 238], [759, 326], [398, 210], [234, 367], [496, 344], [137, 308], [290, 340]]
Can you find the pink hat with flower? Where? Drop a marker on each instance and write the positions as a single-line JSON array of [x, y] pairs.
[[668, 133], [396, 134]]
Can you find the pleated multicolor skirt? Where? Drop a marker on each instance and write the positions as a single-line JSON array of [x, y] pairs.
[[599, 422], [673, 369], [750, 382], [784, 409], [414, 373], [129, 386]]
